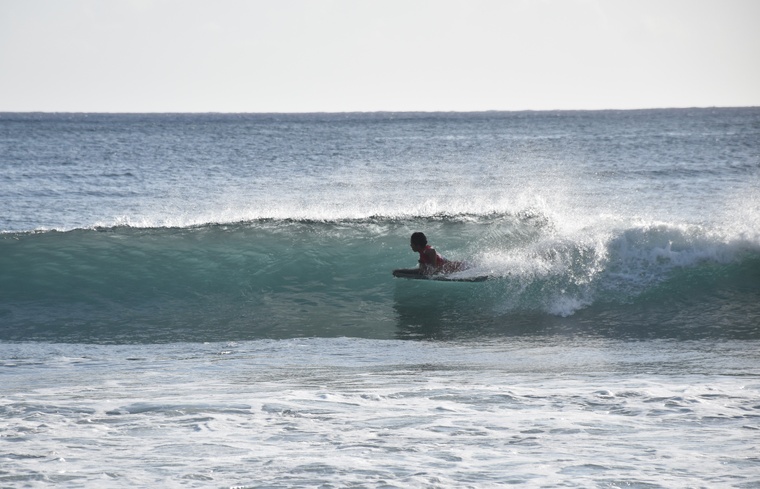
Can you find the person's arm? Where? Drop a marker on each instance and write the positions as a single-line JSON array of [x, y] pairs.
[[430, 267]]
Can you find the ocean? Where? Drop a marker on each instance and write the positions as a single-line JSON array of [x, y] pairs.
[[206, 300]]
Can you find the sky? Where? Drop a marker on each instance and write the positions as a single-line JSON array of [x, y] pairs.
[[376, 55]]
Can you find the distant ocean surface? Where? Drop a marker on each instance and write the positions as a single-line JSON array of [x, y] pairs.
[[206, 300]]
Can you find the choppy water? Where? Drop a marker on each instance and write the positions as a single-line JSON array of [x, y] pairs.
[[538, 411], [206, 300]]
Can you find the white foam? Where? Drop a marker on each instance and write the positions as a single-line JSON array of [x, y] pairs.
[[564, 268], [357, 412]]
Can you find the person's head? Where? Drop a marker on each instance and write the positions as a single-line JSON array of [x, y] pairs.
[[419, 241]]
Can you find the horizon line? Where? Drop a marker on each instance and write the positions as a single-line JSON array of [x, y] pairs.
[[482, 111]]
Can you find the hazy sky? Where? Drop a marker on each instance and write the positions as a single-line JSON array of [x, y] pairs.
[[368, 55]]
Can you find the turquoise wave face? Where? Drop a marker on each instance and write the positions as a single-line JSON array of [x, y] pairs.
[[285, 278]]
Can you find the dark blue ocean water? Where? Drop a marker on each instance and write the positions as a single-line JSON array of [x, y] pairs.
[[206, 300]]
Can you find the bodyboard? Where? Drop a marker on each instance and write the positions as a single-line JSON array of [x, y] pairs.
[[413, 273]]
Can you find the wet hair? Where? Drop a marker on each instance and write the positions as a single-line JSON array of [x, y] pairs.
[[419, 239]]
